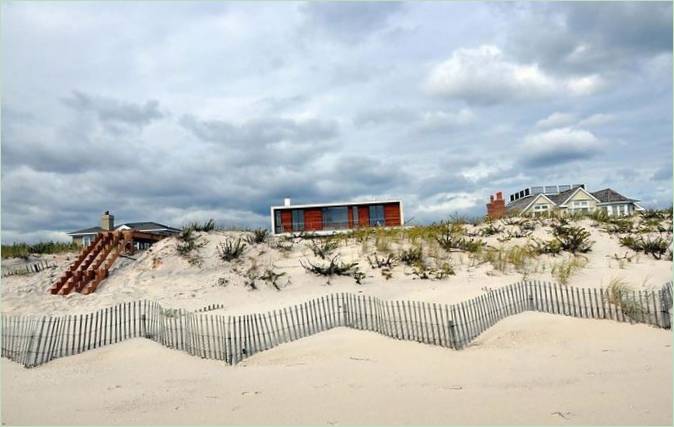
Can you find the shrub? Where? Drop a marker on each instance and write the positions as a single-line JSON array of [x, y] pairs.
[[500, 258], [490, 230], [324, 247], [424, 272], [259, 235], [231, 249], [282, 245], [572, 239]]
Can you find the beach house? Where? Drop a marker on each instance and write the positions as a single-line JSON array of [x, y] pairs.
[[322, 217], [570, 199], [85, 236]]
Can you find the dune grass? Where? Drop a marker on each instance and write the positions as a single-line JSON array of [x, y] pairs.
[[24, 250]]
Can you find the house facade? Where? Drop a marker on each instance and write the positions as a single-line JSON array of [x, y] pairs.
[[570, 199], [85, 236], [335, 216]]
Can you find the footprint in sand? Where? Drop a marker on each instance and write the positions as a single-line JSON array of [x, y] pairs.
[[250, 393]]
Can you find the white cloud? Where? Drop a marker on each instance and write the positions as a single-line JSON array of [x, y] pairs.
[[440, 119], [560, 145], [556, 120], [597, 120], [485, 76]]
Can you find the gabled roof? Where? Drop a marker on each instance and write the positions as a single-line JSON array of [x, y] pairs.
[[608, 195], [524, 203], [140, 226], [564, 196]]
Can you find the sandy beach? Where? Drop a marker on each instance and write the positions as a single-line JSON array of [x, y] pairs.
[[529, 369], [533, 368]]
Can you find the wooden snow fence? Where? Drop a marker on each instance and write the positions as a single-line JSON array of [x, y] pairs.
[[35, 267], [35, 340]]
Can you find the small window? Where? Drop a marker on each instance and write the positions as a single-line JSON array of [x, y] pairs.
[[298, 220]]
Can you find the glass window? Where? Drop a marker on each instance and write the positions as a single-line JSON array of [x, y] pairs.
[[298, 220], [354, 215], [377, 215], [278, 225], [335, 217]]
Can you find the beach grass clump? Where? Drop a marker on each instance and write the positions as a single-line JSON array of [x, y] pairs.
[[384, 264], [188, 246], [272, 278], [204, 226], [621, 295], [451, 237], [519, 257], [24, 250], [657, 247], [411, 256], [563, 270], [259, 235], [323, 248], [424, 272], [231, 249], [334, 267]]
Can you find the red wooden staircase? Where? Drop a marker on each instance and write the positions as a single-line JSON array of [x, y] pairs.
[[91, 267]]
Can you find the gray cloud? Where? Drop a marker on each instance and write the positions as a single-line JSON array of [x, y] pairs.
[[350, 21], [221, 110]]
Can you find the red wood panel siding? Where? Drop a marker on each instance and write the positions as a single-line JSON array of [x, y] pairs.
[[313, 219], [287, 220], [392, 214], [363, 216]]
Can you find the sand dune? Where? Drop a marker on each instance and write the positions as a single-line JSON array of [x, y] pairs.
[[529, 369]]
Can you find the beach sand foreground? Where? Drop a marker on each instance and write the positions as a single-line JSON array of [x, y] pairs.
[[532, 368]]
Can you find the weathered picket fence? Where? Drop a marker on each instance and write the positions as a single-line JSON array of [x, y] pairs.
[[35, 267], [34, 340]]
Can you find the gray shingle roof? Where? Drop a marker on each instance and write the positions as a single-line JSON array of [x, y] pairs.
[[520, 203], [140, 226], [608, 195], [559, 198]]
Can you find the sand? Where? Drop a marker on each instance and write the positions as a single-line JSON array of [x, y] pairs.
[[161, 274], [532, 368]]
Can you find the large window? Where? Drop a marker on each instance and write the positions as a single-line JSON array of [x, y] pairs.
[[377, 215], [354, 216], [335, 217], [298, 220], [278, 225]]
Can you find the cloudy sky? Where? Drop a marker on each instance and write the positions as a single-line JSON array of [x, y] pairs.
[[174, 112]]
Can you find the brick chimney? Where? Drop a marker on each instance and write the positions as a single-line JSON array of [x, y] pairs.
[[107, 221], [496, 206]]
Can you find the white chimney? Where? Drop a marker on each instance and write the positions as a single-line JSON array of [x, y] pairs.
[[286, 201]]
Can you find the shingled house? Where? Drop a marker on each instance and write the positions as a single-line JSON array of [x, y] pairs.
[[86, 236], [571, 199]]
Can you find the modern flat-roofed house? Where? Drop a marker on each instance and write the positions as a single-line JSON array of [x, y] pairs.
[[570, 199], [86, 236], [335, 216]]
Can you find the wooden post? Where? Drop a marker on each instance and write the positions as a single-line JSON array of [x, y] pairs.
[[452, 334]]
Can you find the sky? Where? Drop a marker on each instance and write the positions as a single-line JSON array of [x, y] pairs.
[[176, 112]]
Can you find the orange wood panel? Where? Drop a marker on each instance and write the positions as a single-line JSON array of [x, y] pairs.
[[363, 216], [313, 219], [286, 220], [392, 214]]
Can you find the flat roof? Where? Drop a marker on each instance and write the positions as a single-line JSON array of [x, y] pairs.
[[325, 205]]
